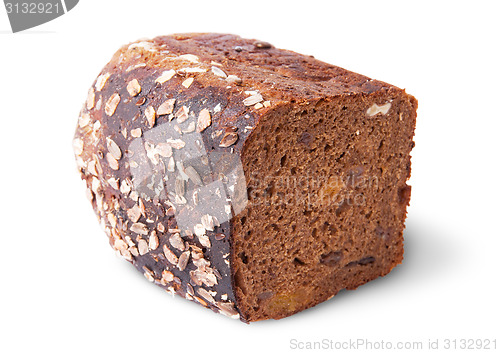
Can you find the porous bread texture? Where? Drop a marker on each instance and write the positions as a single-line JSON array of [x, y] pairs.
[[317, 206], [327, 202]]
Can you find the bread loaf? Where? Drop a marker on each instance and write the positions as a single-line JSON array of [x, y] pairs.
[[252, 180]]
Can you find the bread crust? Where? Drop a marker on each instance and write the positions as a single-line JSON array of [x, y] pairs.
[[221, 86]]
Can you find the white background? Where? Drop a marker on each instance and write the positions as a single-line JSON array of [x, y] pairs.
[[64, 290]]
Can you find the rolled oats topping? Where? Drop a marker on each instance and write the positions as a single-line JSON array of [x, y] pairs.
[[170, 256], [101, 81], [166, 107], [218, 72], [133, 88], [91, 98], [253, 99], [204, 120], [187, 82], [111, 104], [166, 76], [150, 116]]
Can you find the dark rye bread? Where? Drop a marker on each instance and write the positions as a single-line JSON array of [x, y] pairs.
[[308, 161]]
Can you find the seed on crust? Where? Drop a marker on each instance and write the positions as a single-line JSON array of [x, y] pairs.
[[126, 254], [101, 81], [140, 101], [193, 175], [234, 79], [119, 244], [125, 187], [114, 149], [112, 220], [262, 45], [208, 222], [219, 236], [204, 120], [166, 107], [139, 228], [91, 167], [253, 99], [136, 132], [205, 295], [171, 165], [133, 88], [182, 114], [189, 289], [176, 241], [113, 163], [91, 98], [111, 104], [199, 229], [164, 149], [218, 72], [143, 247], [190, 128], [167, 276], [195, 278], [133, 67], [187, 82], [180, 188], [192, 70], [113, 182], [134, 213], [78, 146], [228, 310], [205, 241], [153, 242], [165, 76], [176, 143], [148, 274], [229, 139], [183, 260], [209, 279], [189, 57], [150, 116], [84, 120], [170, 256]]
